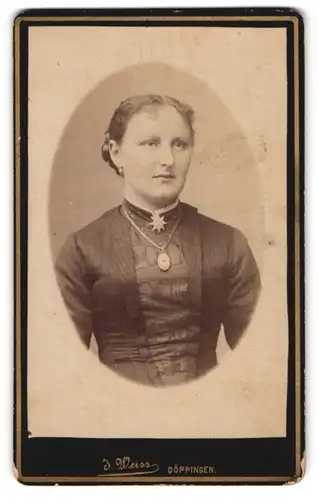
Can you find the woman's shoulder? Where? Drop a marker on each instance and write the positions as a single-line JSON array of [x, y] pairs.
[[91, 239], [209, 225], [216, 234], [97, 227]]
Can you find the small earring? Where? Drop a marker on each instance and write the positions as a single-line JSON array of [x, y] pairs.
[[121, 171]]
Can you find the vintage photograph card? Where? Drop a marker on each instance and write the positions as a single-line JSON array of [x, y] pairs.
[[159, 251]]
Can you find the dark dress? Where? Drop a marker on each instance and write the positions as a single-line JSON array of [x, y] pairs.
[[158, 327]]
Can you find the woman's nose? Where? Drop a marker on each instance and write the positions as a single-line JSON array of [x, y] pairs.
[[166, 156]]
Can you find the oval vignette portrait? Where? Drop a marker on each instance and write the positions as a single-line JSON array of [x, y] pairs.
[[156, 225]]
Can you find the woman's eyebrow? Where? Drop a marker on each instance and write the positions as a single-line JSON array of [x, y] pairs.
[[149, 138], [181, 138]]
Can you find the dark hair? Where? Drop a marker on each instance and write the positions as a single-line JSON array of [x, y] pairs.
[[131, 106]]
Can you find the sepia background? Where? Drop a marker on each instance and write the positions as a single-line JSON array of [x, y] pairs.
[[236, 81]]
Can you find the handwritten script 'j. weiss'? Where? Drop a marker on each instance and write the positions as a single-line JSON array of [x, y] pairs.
[[128, 467]]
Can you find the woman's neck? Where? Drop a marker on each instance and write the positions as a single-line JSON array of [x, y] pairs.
[[140, 202]]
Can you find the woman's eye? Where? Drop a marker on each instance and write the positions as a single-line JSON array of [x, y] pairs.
[[180, 144], [151, 144]]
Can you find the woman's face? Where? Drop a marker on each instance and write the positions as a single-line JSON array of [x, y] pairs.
[[155, 154]]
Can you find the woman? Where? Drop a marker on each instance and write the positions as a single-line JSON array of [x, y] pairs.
[[152, 279]]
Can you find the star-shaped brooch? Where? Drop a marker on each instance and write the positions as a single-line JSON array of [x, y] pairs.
[[157, 223]]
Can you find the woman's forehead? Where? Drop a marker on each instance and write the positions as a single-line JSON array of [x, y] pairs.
[[157, 117]]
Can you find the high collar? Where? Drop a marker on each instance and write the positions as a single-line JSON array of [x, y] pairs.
[[169, 211]]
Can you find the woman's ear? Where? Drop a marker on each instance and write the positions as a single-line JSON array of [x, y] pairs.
[[113, 149]]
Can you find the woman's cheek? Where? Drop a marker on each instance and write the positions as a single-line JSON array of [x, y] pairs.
[[185, 163], [142, 160]]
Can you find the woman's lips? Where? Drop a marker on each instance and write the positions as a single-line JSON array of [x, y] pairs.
[[164, 176]]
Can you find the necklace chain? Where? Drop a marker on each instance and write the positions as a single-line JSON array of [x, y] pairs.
[[160, 247], [163, 210]]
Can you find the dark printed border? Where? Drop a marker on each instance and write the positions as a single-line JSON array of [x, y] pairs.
[[175, 461]]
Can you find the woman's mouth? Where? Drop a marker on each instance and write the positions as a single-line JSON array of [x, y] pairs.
[[164, 176]]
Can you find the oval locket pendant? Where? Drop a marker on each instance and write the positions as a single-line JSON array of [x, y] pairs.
[[164, 261]]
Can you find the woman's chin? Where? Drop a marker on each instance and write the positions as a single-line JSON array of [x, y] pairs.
[[164, 199], [165, 194]]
